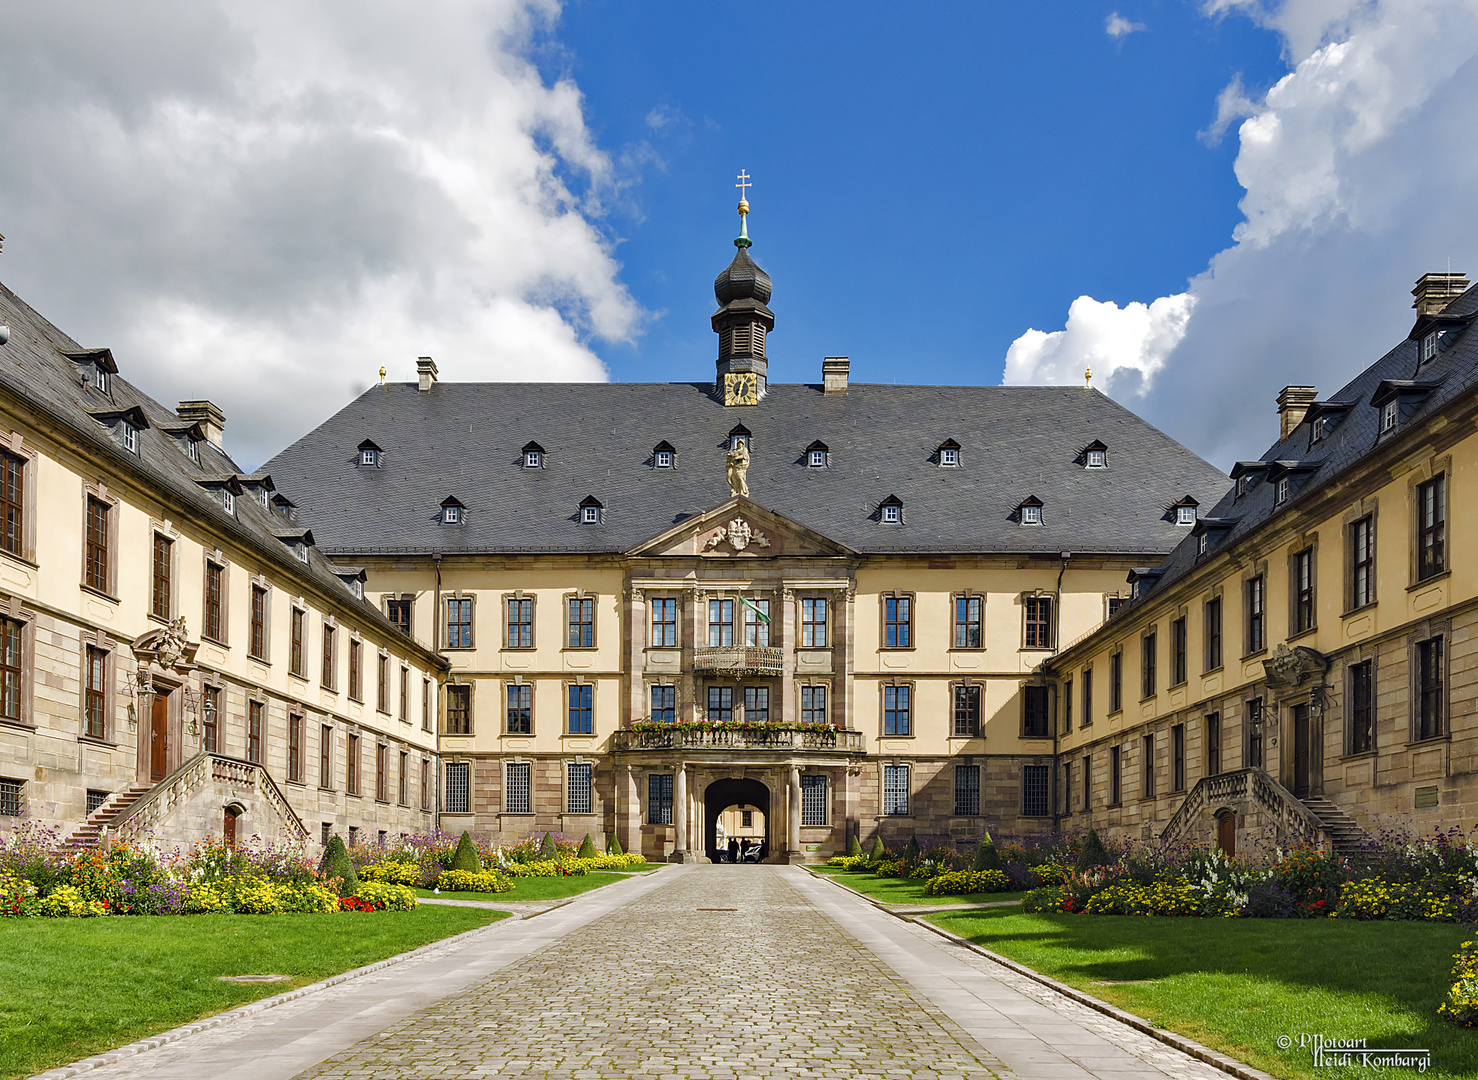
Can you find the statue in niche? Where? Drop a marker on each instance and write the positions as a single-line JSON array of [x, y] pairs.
[[739, 468]]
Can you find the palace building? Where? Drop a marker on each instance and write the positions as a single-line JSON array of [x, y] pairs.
[[680, 613]]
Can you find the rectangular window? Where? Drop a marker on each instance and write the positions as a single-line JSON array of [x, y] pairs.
[[967, 791], [458, 787], [12, 797], [295, 748], [813, 704], [897, 710], [161, 599], [96, 562], [582, 622], [1212, 632], [1067, 787], [895, 790], [1362, 562], [521, 623], [405, 694], [330, 657], [579, 779], [1253, 742], [1036, 781], [211, 726], [356, 669], [1087, 720], [258, 636], [326, 756], [967, 622], [425, 783], [721, 703], [10, 669], [1213, 744], [382, 772], [720, 623], [1115, 775], [1116, 682], [95, 696], [426, 697], [1038, 622], [1148, 654], [1429, 719], [756, 623], [295, 647], [1147, 766], [382, 683], [1036, 720], [1067, 705], [213, 621], [664, 704], [458, 709], [1087, 781], [255, 711], [398, 610], [520, 708], [1431, 509], [459, 622], [897, 622], [582, 702], [404, 779], [757, 704], [351, 766], [813, 799], [1303, 590], [813, 622], [1177, 758], [13, 502], [1256, 627], [1362, 707], [659, 799], [1177, 652], [664, 622]]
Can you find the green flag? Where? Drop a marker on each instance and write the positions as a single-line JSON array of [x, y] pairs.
[[763, 617]]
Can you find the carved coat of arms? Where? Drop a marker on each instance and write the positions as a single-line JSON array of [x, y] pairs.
[[739, 536], [1288, 668]]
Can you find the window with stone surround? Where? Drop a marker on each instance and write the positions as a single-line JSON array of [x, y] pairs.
[[579, 787], [161, 598], [519, 628], [898, 709], [664, 622], [95, 560], [1431, 509], [1361, 738], [1430, 699], [351, 766], [404, 779], [1148, 658], [813, 622], [966, 698], [458, 798], [720, 703], [720, 623], [664, 704], [896, 790], [13, 502], [968, 612], [1147, 766], [296, 642], [210, 727], [659, 798], [12, 797], [581, 710], [213, 620], [757, 704], [326, 757], [330, 657], [1211, 633], [1036, 715], [813, 704], [382, 772], [459, 709], [898, 621], [1036, 783], [12, 669], [813, 799], [1116, 682], [356, 669], [1253, 592], [257, 638], [1301, 576], [1178, 672], [255, 736], [95, 692], [1037, 632], [581, 622], [520, 710], [294, 748], [967, 791], [459, 622]]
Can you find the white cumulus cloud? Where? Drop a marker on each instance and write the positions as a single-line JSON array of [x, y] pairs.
[[1116, 26], [1125, 347], [263, 203]]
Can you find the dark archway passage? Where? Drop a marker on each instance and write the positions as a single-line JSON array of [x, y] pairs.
[[722, 794]]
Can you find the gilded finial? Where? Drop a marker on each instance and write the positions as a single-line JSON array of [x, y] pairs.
[[1088, 378], [743, 185], [383, 373]]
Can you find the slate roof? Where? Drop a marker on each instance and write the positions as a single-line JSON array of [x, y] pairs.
[[1352, 436], [464, 440], [43, 367]]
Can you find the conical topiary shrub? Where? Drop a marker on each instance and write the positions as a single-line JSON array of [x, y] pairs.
[[587, 848], [986, 855], [337, 864], [854, 849], [912, 854], [879, 853], [467, 856], [614, 848], [1092, 853], [548, 849]]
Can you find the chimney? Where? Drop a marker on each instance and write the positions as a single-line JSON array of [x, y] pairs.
[[425, 373], [1293, 403], [834, 374], [211, 420], [1434, 292]]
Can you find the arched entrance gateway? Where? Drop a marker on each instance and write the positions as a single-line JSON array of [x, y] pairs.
[[741, 792]]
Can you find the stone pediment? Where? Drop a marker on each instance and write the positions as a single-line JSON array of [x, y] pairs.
[[1289, 669], [740, 529]]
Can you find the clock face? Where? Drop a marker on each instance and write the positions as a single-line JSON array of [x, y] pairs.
[[741, 388]]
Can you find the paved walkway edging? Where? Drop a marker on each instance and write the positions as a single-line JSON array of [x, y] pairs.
[[1196, 1050]]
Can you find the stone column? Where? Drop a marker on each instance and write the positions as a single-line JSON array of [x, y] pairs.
[[793, 818], [682, 853]]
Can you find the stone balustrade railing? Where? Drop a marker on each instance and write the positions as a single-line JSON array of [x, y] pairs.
[[1293, 820], [740, 659], [182, 785], [800, 739]]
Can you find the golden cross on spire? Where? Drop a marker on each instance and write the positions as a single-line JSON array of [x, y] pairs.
[[743, 184]]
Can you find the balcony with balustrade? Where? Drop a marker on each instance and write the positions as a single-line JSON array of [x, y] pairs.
[[739, 661], [744, 740]]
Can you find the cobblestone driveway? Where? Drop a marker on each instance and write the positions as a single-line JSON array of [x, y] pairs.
[[671, 987]]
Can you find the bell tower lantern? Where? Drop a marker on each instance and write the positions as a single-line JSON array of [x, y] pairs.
[[742, 320]]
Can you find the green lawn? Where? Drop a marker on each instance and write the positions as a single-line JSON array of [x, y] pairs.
[[75, 987], [902, 891], [542, 888], [1239, 984]]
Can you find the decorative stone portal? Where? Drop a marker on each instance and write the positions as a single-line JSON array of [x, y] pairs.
[[738, 792]]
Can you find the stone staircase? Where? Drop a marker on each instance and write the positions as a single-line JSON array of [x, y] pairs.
[[1344, 835], [91, 831]]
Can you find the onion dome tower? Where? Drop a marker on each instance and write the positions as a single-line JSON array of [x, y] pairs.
[[742, 320]]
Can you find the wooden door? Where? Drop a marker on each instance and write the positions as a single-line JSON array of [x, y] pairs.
[[1226, 834], [158, 738], [228, 827], [1300, 750]]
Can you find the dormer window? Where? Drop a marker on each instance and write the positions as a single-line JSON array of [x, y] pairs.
[[533, 456], [262, 497], [816, 455], [1202, 543], [739, 435], [228, 500], [1185, 515], [890, 510], [1241, 486], [1429, 347], [1317, 431], [451, 511], [192, 449], [590, 510], [664, 459], [300, 549], [1284, 486], [1030, 512], [100, 379], [1389, 413], [369, 455], [949, 454], [663, 455], [1095, 455], [130, 436]]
